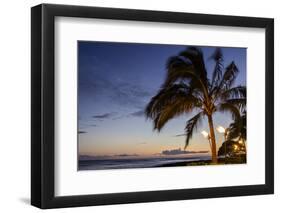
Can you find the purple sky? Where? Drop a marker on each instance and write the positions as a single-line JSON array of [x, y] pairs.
[[117, 80]]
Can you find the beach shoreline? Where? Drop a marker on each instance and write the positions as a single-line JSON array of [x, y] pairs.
[[187, 162], [221, 161]]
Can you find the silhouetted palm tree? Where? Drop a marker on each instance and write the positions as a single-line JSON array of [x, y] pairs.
[[187, 88], [237, 130]]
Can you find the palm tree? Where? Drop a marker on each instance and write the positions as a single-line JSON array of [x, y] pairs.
[[188, 89], [237, 130]]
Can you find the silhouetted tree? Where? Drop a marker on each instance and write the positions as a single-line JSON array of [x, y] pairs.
[[230, 148], [238, 128], [187, 88]]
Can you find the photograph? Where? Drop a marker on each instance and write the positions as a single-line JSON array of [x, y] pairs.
[[160, 105], [139, 105]]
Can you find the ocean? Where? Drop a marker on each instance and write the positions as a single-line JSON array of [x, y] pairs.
[[126, 163]]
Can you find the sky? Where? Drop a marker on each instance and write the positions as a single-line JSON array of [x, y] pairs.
[[116, 82]]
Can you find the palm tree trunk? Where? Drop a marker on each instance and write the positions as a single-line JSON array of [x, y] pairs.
[[213, 139]]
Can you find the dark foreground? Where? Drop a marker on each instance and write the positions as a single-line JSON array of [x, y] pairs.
[[221, 161]]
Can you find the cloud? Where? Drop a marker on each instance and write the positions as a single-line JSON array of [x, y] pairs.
[[102, 117], [128, 94], [94, 157], [111, 87], [126, 155], [91, 157], [139, 113], [180, 152], [81, 132], [179, 135]]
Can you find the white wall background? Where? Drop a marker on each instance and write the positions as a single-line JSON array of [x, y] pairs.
[[15, 105]]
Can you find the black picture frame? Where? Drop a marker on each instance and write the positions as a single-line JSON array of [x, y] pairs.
[[43, 114]]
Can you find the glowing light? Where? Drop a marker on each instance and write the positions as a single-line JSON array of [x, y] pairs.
[[221, 129], [205, 134]]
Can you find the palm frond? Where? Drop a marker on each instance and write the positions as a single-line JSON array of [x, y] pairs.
[[228, 107], [169, 103], [179, 69], [167, 96], [240, 103], [233, 132], [171, 111], [238, 129], [229, 76], [217, 73], [226, 82], [195, 56], [192, 125], [234, 92]]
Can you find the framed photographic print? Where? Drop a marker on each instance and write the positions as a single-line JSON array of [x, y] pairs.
[[139, 106]]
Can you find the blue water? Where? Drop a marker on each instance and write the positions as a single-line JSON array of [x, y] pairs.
[[99, 164]]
